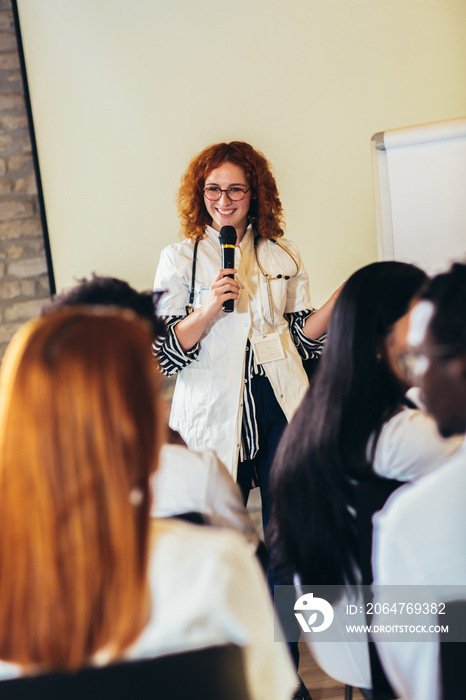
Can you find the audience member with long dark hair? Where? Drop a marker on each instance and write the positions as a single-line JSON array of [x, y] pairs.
[[83, 579], [353, 423]]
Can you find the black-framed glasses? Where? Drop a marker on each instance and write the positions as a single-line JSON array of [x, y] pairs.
[[234, 194], [414, 362]]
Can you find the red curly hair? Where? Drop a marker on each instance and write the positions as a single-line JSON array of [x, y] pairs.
[[266, 209]]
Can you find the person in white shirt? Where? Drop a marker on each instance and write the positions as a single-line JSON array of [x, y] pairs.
[[353, 427], [420, 536], [197, 482], [227, 388], [83, 582], [240, 375]]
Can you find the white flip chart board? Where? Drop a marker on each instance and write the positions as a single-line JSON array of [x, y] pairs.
[[420, 192]]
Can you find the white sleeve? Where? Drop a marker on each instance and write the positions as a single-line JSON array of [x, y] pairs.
[[410, 446], [269, 670], [207, 588], [411, 667], [174, 276], [297, 290]]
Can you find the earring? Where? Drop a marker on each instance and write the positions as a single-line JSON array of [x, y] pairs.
[[136, 496]]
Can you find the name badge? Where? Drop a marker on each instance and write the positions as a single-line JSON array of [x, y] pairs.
[[203, 292], [267, 348]]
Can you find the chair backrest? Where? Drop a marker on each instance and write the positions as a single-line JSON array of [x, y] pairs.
[[193, 517], [453, 653], [202, 674], [370, 497]]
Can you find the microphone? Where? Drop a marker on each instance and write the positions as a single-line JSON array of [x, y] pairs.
[[227, 238]]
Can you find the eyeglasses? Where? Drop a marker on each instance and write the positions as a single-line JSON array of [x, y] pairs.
[[234, 194], [414, 362]]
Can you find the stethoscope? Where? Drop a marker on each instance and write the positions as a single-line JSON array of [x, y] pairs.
[[268, 277]]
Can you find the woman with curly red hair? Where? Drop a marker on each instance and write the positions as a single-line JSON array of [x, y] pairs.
[[241, 374], [264, 207]]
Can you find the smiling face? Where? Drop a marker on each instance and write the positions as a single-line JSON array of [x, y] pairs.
[[224, 212]]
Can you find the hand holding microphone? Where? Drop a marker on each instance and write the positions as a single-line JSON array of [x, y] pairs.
[[227, 238]]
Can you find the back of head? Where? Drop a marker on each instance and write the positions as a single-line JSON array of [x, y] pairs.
[[354, 389], [352, 393], [372, 300], [447, 292], [438, 331], [79, 438], [111, 291]]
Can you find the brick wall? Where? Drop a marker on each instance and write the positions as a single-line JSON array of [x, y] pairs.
[[24, 284]]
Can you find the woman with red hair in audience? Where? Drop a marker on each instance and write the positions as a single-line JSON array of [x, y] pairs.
[[83, 580]]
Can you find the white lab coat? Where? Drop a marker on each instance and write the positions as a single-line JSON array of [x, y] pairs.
[[419, 543], [208, 398]]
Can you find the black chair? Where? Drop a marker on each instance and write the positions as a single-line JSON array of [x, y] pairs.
[[193, 517], [453, 653], [310, 366], [370, 497], [203, 674]]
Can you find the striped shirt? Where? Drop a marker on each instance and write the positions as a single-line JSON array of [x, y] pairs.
[[172, 359]]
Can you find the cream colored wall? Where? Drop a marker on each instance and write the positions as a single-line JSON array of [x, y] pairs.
[[125, 91]]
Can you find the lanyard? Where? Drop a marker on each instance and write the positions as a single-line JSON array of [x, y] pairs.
[[190, 307]]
